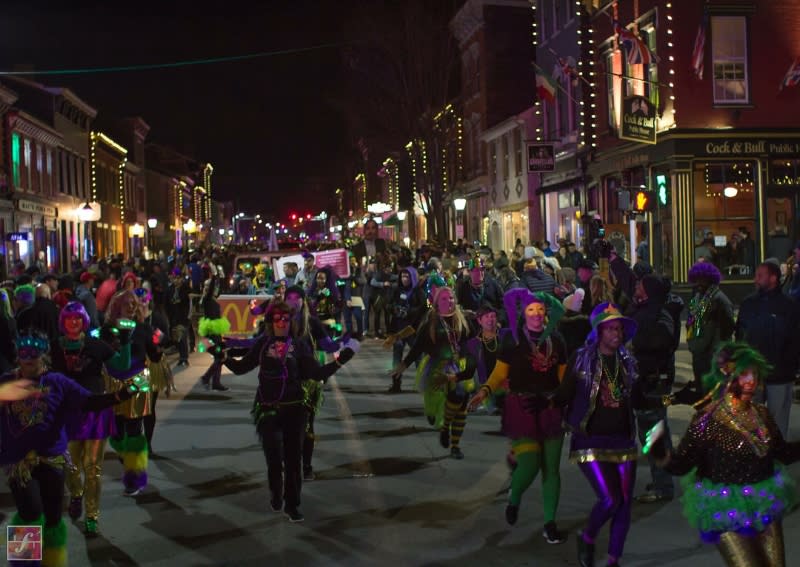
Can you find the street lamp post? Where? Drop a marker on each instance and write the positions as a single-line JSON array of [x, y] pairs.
[[189, 227], [151, 226], [460, 204], [87, 214]]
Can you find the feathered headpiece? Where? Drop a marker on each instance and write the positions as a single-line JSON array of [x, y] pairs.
[[731, 360], [32, 340], [517, 299], [432, 283]]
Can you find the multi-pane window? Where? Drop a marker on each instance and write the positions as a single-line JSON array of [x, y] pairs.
[[494, 160], [518, 152], [564, 100], [614, 86], [505, 157], [546, 12], [28, 159], [729, 55]]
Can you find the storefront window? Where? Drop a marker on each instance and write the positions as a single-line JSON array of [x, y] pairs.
[[725, 222], [783, 207]]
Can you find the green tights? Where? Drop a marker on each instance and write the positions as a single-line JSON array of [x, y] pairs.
[[533, 456]]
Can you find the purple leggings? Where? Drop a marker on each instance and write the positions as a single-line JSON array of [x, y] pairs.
[[613, 484]]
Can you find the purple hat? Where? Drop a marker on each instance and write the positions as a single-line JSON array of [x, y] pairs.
[[606, 312]]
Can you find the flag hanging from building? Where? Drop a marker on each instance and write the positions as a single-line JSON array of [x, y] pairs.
[[792, 77], [566, 70], [545, 86], [699, 51], [636, 49]]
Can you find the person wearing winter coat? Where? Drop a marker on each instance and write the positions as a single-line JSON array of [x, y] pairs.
[[710, 320], [407, 307], [353, 297]]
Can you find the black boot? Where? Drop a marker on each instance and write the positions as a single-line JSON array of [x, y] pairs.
[[585, 552], [395, 387], [308, 453]]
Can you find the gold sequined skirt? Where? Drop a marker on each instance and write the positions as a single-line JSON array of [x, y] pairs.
[[160, 375], [138, 406]]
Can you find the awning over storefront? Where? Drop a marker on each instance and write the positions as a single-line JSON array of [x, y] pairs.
[[392, 220]]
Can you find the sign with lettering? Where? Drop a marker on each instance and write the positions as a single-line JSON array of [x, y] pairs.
[[541, 157], [638, 120], [16, 236], [336, 258], [751, 147], [36, 208]]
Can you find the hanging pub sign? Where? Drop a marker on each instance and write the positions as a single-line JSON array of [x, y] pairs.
[[541, 157], [638, 120]]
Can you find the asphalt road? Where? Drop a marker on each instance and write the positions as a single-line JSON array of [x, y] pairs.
[[386, 493]]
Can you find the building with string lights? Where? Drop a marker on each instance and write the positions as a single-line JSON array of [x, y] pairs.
[[46, 174], [699, 113], [179, 190], [494, 44]]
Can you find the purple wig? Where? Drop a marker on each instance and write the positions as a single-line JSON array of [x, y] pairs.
[[73, 309], [705, 270]]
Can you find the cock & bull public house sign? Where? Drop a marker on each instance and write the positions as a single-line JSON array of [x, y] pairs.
[[638, 120]]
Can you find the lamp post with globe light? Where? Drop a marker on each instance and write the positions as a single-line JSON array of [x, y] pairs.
[[460, 204], [151, 226], [87, 214]]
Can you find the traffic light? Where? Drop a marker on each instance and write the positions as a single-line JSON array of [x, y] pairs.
[[293, 216], [643, 201], [662, 190], [308, 216]]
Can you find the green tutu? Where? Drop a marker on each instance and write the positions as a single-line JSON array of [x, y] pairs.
[[429, 381], [213, 327], [713, 507]]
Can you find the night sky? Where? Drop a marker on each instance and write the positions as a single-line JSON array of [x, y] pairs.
[[270, 126]]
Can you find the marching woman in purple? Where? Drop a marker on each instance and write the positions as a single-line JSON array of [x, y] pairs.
[[81, 357], [33, 451]]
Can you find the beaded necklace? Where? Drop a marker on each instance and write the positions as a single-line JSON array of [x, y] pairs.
[[540, 361], [748, 424], [698, 309], [28, 412], [452, 338], [486, 342], [615, 386], [72, 359], [284, 376]]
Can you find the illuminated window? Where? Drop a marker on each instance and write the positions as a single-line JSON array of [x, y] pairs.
[[724, 202], [15, 158], [729, 54], [614, 87], [26, 162]]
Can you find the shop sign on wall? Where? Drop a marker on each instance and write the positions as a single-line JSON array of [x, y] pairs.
[[638, 120]]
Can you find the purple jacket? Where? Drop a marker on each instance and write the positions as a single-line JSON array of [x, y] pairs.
[[475, 350], [581, 385]]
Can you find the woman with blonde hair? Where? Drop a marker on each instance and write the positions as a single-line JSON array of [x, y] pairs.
[[443, 375], [600, 291]]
